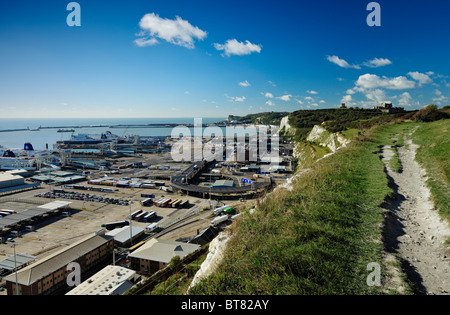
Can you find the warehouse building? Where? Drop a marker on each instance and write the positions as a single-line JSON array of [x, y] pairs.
[[123, 237], [223, 183], [8, 180], [157, 254], [13, 181], [49, 275]]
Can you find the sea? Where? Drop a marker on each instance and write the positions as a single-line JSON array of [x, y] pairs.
[[43, 138]]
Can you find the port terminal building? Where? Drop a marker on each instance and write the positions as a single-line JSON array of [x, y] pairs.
[[49, 275]]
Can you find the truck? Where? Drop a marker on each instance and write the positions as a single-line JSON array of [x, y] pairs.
[[159, 202], [228, 210], [151, 227], [147, 202], [134, 214], [217, 221], [114, 225], [8, 211], [177, 203], [140, 216], [219, 210], [184, 204], [164, 203], [149, 216]]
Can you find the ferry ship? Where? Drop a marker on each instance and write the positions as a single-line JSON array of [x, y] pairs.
[[26, 158]]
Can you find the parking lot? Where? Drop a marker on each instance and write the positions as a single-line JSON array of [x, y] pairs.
[[87, 213]]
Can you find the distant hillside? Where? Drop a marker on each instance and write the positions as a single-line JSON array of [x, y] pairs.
[[268, 118]]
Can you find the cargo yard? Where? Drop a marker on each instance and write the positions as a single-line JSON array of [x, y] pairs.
[[127, 198]]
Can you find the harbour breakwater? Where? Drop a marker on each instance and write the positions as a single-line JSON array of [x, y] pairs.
[[164, 125]]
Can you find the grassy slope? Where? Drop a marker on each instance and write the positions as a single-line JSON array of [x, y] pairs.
[[434, 155], [316, 239]]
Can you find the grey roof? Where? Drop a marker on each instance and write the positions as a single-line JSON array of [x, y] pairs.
[[110, 280], [122, 235], [16, 261], [163, 251], [42, 268], [29, 214]]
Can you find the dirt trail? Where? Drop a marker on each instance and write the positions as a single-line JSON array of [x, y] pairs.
[[414, 230]]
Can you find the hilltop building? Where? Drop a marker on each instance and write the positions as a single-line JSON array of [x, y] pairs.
[[387, 107]]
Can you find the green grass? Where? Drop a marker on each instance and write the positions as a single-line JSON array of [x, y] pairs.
[[317, 238], [395, 163], [434, 156], [350, 133], [320, 237]]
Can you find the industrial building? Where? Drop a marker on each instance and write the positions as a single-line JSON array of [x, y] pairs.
[[9, 180], [156, 254], [111, 280], [223, 183], [13, 181], [122, 236], [27, 216], [59, 177], [48, 275]]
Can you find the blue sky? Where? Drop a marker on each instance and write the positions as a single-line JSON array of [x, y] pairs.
[[215, 58]]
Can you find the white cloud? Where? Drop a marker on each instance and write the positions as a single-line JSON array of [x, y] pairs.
[[372, 81], [270, 103], [347, 99], [341, 62], [236, 98], [312, 92], [405, 99], [322, 102], [376, 95], [309, 98], [268, 95], [420, 77], [377, 62], [374, 63], [271, 83], [285, 98], [300, 102], [234, 47], [178, 31], [144, 42], [245, 83], [440, 99]]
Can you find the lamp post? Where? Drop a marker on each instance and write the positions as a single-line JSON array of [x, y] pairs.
[[15, 268], [131, 227]]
